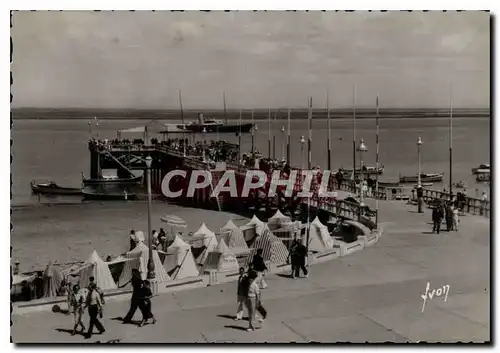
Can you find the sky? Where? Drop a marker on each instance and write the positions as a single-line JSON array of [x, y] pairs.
[[86, 59]]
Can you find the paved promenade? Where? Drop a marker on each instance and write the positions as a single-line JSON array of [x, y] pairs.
[[373, 295]]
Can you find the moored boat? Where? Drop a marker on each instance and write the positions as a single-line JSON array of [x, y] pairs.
[[111, 180], [367, 170], [211, 125], [91, 194], [53, 189], [424, 178], [483, 177], [482, 168]]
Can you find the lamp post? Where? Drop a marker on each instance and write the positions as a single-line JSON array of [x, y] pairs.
[[203, 144], [361, 149], [419, 182], [282, 143], [302, 142], [151, 265], [254, 137]]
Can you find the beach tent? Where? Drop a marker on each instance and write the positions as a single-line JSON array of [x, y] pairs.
[[209, 241], [179, 261], [278, 220], [259, 225], [222, 259], [274, 250], [233, 236], [97, 268], [319, 237], [138, 258], [52, 279]]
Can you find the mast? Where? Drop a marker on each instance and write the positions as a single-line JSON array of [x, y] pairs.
[[239, 139], [274, 136], [329, 145], [288, 138], [309, 158], [224, 101], [353, 132], [451, 142], [377, 165]]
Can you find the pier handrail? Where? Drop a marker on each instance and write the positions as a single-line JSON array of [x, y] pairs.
[[472, 205]]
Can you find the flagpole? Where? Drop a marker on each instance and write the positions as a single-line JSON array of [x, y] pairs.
[[269, 134], [182, 119], [224, 101], [309, 158], [329, 147], [377, 164], [253, 134], [239, 139], [353, 132], [451, 142], [288, 139], [274, 136]]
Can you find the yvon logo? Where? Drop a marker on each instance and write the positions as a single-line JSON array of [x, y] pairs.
[[444, 290]]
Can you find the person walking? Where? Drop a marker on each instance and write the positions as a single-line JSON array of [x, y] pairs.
[[76, 302], [243, 285], [260, 267], [449, 217], [145, 305], [136, 281], [436, 219], [97, 288], [484, 200], [301, 258], [294, 258], [253, 297], [94, 305], [455, 218]]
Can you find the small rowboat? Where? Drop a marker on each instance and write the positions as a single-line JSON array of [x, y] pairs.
[[112, 181], [366, 170], [53, 189], [424, 178]]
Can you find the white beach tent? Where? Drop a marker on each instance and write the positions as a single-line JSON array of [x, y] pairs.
[[233, 236], [278, 218], [209, 241], [97, 268], [179, 260], [319, 237], [259, 225], [222, 259], [273, 249], [138, 258]]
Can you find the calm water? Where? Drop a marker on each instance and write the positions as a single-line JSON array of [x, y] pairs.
[[57, 149]]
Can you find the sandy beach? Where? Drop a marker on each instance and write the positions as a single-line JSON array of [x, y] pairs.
[[67, 233]]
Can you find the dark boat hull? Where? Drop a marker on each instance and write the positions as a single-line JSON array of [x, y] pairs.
[[423, 179], [54, 190], [108, 197], [214, 128]]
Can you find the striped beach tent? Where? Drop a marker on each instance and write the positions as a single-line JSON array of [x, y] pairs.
[[259, 225], [278, 220], [209, 241], [274, 250], [319, 237], [222, 259], [233, 236], [179, 261], [138, 258]]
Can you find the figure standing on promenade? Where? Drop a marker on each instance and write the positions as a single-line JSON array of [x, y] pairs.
[[455, 218], [449, 217], [436, 219], [76, 300], [97, 288], [484, 199], [145, 306], [294, 259], [260, 267], [301, 258], [136, 281], [94, 304], [243, 285], [253, 296], [132, 240]]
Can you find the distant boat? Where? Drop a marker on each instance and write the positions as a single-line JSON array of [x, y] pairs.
[[424, 178], [482, 168], [53, 189], [212, 126], [424, 185], [483, 177], [367, 170], [91, 194], [113, 180]]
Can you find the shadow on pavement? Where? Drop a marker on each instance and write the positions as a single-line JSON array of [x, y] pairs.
[[231, 317], [70, 331], [235, 327], [284, 275]]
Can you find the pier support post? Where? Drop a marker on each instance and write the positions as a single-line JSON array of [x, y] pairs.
[[151, 265]]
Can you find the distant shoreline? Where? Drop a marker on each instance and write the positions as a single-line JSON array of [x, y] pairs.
[[232, 114]]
